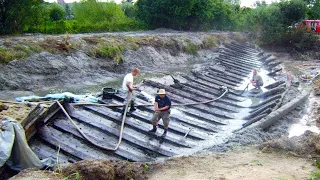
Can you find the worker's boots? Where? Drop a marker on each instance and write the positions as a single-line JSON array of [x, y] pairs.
[[132, 108], [153, 130], [164, 133]]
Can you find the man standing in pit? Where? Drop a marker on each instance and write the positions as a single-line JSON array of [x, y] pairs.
[[256, 81], [162, 107], [128, 87]]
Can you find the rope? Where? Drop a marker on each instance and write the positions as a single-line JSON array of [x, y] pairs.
[[184, 104], [88, 139]]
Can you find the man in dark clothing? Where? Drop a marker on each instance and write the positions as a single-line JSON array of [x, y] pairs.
[[162, 107]]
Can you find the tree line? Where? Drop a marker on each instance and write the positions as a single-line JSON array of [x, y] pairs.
[[267, 22]]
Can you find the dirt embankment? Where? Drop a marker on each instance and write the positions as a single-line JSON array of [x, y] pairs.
[[42, 61]]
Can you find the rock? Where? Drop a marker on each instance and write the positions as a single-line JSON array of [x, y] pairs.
[[3, 107], [316, 91]]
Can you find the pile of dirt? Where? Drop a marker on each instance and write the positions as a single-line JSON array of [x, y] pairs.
[[15, 110], [91, 169], [306, 145]]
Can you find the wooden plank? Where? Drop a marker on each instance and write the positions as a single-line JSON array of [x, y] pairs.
[[195, 123], [43, 151], [208, 96], [182, 97], [200, 115], [140, 126], [142, 140], [125, 150], [73, 146]]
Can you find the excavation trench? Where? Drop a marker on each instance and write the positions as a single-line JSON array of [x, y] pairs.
[[193, 128]]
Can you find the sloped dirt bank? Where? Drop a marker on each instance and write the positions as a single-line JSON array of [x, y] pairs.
[[90, 59]]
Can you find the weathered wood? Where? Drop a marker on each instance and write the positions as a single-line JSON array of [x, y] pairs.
[[251, 62], [199, 115], [126, 151], [202, 86], [196, 123], [254, 119], [189, 98], [139, 126], [258, 111], [273, 73], [72, 146], [272, 98], [223, 78], [274, 85], [43, 151], [138, 139], [237, 65], [218, 105], [271, 92], [231, 65]]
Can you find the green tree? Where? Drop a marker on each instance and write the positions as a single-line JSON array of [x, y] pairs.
[[57, 12], [38, 17], [292, 11], [185, 14], [14, 14], [94, 12], [129, 9], [165, 13], [266, 24], [313, 11]]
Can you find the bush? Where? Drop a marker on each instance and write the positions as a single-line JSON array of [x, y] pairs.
[[190, 48], [301, 40]]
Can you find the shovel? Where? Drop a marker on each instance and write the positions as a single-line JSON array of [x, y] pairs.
[[183, 139], [242, 91], [245, 88]]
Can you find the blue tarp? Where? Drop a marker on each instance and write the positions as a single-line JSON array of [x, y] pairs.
[[48, 97]]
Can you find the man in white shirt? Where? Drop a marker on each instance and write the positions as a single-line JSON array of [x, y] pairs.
[[128, 87]]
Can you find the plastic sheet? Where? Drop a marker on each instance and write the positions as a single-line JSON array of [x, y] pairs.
[[14, 148], [48, 97]]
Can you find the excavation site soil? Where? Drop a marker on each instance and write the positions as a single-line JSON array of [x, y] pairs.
[[234, 147]]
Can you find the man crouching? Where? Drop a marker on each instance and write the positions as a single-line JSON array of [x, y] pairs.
[[162, 107]]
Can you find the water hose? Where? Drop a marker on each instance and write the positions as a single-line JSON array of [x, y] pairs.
[[139, 105], [88, 139], [124, 118]]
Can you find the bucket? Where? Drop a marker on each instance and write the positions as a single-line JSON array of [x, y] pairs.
[[108, 93]]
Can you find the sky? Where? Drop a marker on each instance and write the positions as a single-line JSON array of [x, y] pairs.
[[247, 3]]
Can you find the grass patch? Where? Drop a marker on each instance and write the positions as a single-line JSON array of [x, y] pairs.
[[315, 175], [190, 48], [109, 49], [8, 54], [209, 42]]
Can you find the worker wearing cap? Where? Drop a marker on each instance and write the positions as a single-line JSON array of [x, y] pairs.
[[162, 107], [128, 87], [256, 81]]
